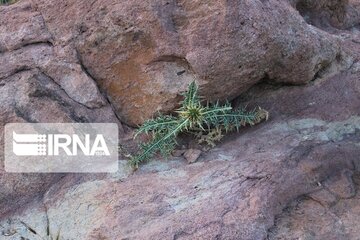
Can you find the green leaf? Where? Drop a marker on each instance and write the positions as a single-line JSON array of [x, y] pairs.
[[237, 119], [159, 124], [149, 149], [3, 2], [206, 122], [191, 97]]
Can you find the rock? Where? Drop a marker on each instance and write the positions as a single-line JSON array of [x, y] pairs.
[[191, 155], [143, 54], [324, 197], [39, 84], [92, 62], [339, 186], [307, 219], [342, 186], [329, 14], [31, 96], [25, 28], [239, 190], [76, 83], [178, 152], [26, 44]]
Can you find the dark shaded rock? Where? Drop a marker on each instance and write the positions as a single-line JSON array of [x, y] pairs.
[[191, 155], [329, 14]]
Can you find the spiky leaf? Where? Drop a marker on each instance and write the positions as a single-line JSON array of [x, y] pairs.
[[207, 122], [158, 143], [191, 97], [159, 124]]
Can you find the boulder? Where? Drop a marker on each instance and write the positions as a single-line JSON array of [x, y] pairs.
[[143, 54], [32, 96], [329, 14], [39, 84], [308, 218], [105, 60], [306, 156]]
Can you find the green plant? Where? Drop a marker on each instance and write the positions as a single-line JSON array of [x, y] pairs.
[[4, 2], [207, 122], [49, 234]]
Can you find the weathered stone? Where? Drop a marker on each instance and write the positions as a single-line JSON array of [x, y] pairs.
[[238, 188], [20, 26], [31, 96], [178, 152], [143, 54], [342, 186], [329, 14], [324, 197], [192, 155], [307, 219]]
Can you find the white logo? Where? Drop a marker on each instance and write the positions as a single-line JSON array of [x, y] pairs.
[[29, 144], [61, 147], [52, 144]]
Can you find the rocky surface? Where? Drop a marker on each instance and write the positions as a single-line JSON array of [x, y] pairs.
[[142, 54], [39, 83], [322, 215], [101, 61], [329, 14], [234, 191], [32, 96]]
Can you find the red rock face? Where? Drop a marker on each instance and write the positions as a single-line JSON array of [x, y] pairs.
[[328, 14], [312, 216], [39, 82], [143, 54], [101, 61], [239, 189]]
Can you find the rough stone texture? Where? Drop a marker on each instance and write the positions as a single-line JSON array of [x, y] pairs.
[[329, 14], [32, 96], [143, 54], [191, 155], [307, 218], [39, 83], [234, 191], [271, 181], [26, 44]]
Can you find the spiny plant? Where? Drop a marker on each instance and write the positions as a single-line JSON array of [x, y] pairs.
[[4, 2], [207, 122], [49, 234]]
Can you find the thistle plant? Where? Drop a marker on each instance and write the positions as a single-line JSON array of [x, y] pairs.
[[207, 122], [3, 2]]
